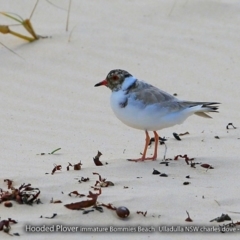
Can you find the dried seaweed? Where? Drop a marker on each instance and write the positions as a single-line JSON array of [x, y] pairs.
[[76, 166], [188, 219], [230, 124], [155, 172], [182, 134], [55, 201], [76, 193], [56, 168], [165, 162], [25, 194], [9, 183], [177, 136], [102, 181], [98, 208], [121, 211], [87, 211], [186, 183], [205, 165], [163, 175], [109, 206], [86, 203], [143, 213], [53, 216], [222, 218], [187, 159], [83, 180], [5, 225], [96, 159]]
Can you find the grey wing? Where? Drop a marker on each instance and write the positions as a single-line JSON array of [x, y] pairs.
[[149, 94], [177, 105]]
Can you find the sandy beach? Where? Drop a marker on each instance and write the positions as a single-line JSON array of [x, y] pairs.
[[48, 101]]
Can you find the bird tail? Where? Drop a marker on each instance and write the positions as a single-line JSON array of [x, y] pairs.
[[206, 107]]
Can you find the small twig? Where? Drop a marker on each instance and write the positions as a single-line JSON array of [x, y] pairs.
[[69, 7], [234, 212], [165, 152], [70, 35], [33, 9], [55, 5], [173, 6], [55, 150], [12, 51], [230, 124]]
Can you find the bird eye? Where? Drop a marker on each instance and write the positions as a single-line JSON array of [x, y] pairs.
[[115, 77]]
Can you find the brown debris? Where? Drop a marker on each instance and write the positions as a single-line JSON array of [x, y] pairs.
[[205, 165], [187, 159], [155, 172], [182, 134], [163, 175], [76, 166], [102, 181], [143, 213], [56, 168], [86, 203], [177, 136], [109, 206], [76, 193], [8, 204], [222, 218], [188, 219], [23, 195], [9, 183], [53, 216], [55, 201], [96, 159], [122, 212], [88, 211], [230, 124], [69, 165], [83, 180], [5, 225]]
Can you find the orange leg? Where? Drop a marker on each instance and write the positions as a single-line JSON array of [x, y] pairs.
[[156, 145], [145, 148]]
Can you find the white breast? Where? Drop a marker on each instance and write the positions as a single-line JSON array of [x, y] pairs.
[[138, 116]]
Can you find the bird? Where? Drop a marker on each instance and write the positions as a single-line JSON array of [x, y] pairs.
[[143, 106]]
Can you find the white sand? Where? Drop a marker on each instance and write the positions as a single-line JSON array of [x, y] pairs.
[[48, 101]]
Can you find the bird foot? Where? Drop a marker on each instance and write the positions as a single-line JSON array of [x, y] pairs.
[[142, 159]]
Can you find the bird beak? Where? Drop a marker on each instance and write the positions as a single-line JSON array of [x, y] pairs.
[[104, 82]]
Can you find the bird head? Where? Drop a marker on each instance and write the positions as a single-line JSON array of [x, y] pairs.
[[114, 79]]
